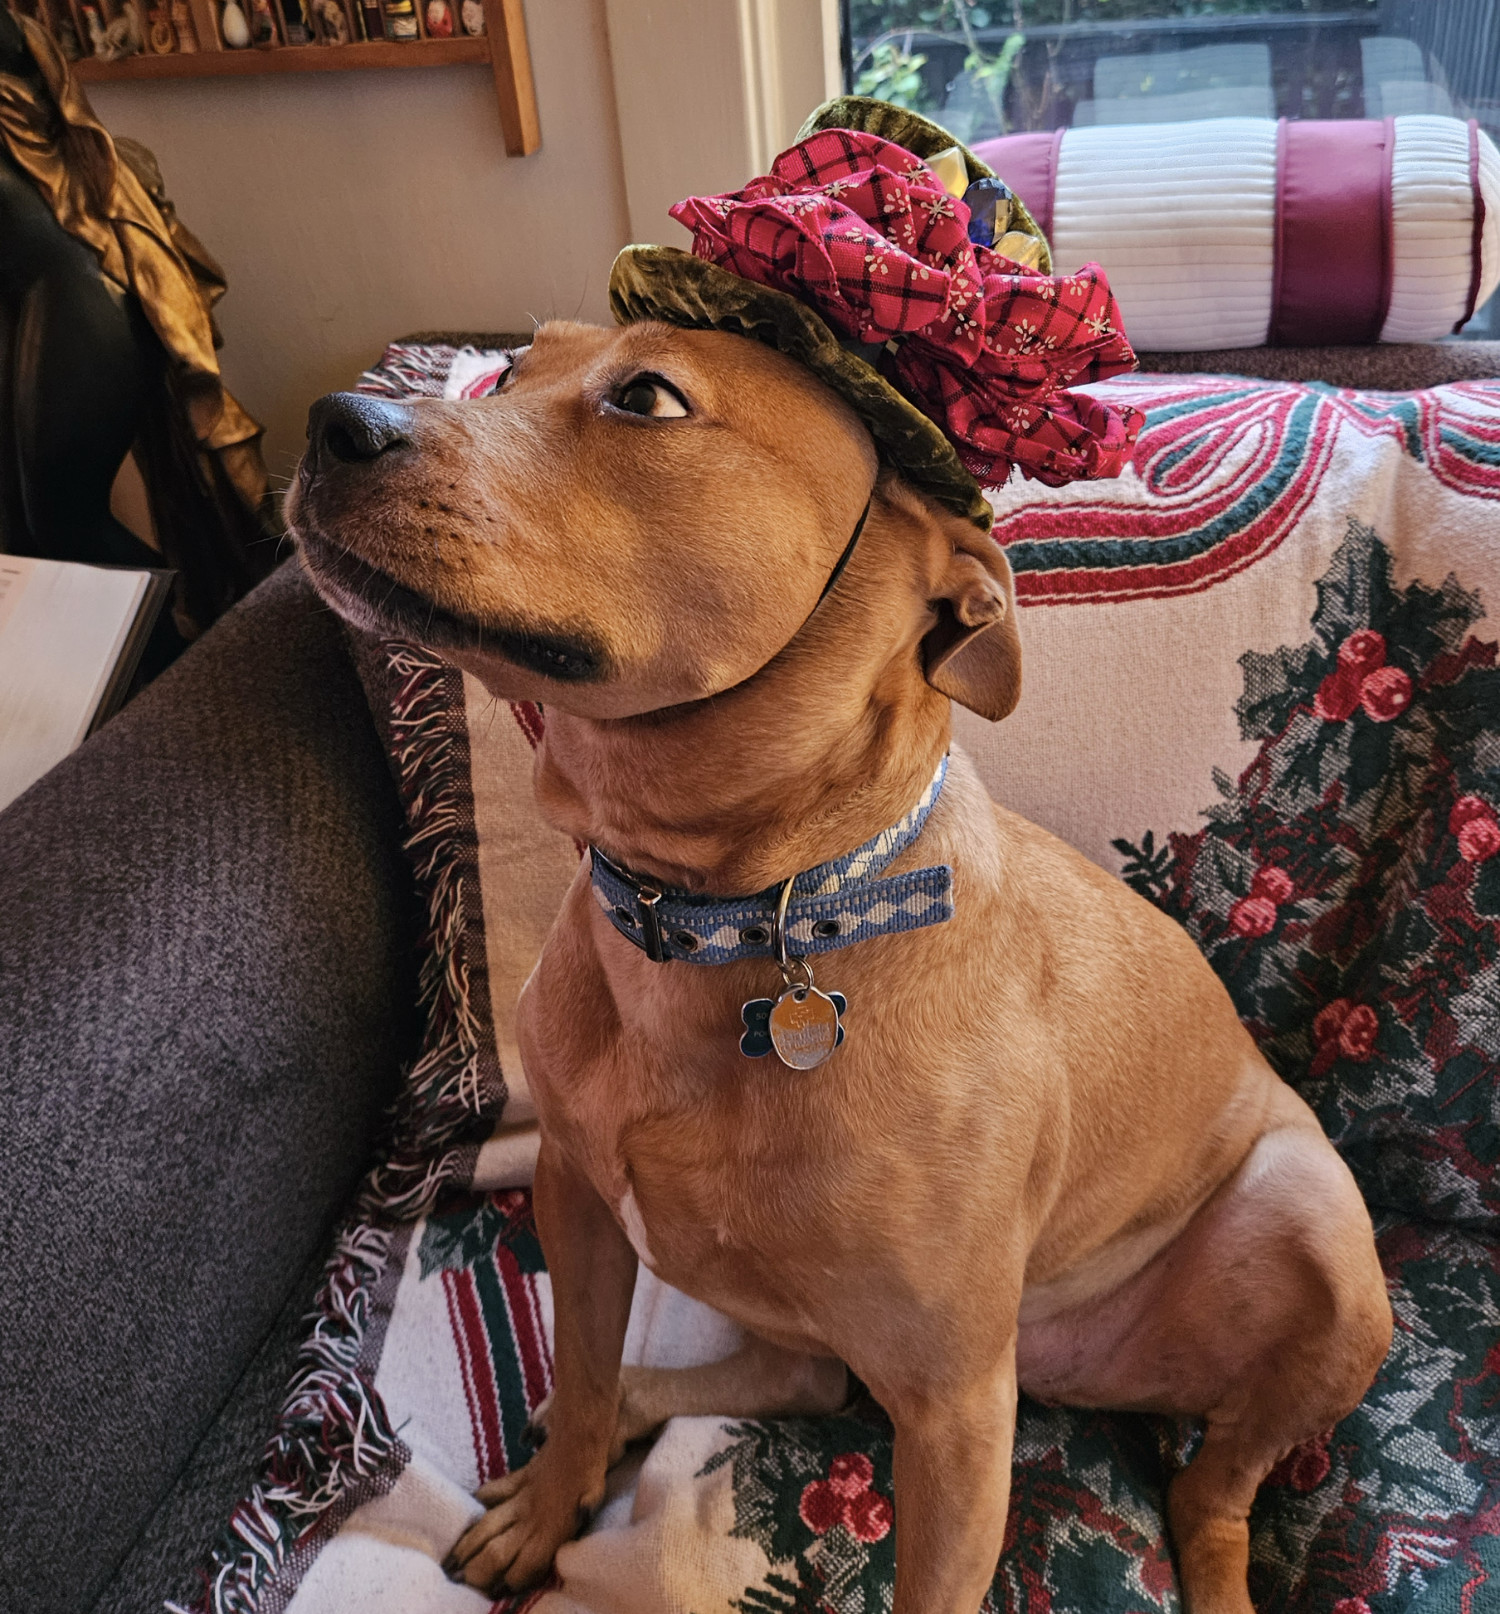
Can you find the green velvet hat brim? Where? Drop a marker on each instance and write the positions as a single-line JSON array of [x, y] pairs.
[[664, 283]]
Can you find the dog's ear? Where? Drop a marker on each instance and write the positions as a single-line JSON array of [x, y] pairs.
[[973, 653]]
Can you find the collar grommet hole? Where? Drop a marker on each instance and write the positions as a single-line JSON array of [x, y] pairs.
[[686, 940], [625, 917], [826, 929], [755, 936]]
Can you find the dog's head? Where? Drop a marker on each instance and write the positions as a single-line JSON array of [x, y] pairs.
[[638, 518]]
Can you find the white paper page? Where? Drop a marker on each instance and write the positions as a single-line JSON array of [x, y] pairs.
[[62, 628]]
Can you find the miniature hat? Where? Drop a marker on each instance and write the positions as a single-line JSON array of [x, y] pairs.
[[887, 258]]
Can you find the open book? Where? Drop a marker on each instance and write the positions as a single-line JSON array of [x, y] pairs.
[[70, 639]]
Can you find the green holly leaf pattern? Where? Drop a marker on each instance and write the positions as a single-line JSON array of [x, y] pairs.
[[463, 1236]]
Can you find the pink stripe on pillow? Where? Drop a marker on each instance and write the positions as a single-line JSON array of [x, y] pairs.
[[1028, 165], [1333, 232]]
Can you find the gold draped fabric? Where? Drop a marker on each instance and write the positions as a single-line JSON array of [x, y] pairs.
[[109, 194]]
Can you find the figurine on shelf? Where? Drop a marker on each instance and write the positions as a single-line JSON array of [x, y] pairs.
[[163, 41], [472, 13], [233, 27], [334, 24], [262, 24], [439, 19], [118, 39], [401, 20], [182, 26], [296, 24]]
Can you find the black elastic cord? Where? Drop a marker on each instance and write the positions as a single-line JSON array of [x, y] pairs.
[[833, 577], [843, 560]]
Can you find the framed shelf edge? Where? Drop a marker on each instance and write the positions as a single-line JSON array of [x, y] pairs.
[[285, 59], [503, 45]]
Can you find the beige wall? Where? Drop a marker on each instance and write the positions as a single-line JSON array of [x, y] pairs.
[[349, 208], [739, 77]]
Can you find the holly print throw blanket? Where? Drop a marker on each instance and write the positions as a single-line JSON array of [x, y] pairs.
[[1261, 687]]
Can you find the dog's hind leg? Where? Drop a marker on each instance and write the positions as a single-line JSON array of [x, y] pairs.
[[1267, 1317], [1289, 1268], [759, 1380]]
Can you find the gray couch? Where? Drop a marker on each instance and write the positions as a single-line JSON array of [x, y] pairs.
[[207, 989]]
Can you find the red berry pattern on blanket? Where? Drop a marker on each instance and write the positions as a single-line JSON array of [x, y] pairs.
[[1347, 886]]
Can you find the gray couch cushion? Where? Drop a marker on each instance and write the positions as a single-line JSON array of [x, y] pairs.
[[207, 982], [168, 1558]]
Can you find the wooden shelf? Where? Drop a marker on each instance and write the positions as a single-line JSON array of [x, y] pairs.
[[285, 59], [503, 46]]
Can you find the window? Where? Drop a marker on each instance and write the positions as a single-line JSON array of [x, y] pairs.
[[989, 67]]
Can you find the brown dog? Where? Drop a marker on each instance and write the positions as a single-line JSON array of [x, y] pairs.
[[1047, 1156]]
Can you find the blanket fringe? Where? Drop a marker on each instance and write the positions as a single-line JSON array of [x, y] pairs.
[[446, 1091], [333, 1431]]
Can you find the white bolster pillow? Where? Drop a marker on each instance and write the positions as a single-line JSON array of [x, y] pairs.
[[1234, 232]]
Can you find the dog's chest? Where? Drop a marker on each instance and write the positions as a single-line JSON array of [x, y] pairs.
[[728, 1238], [767, 1209], [722, 1183]]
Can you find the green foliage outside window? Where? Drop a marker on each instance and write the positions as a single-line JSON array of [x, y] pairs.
[[888, 60], [893, 75]]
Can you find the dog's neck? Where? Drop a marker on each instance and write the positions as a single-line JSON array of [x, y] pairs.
[[830, 743]]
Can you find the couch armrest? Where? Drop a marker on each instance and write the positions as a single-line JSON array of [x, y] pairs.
[[1378, 367], [207, 985]]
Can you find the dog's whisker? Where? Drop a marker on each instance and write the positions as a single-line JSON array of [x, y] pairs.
[[490, 712]]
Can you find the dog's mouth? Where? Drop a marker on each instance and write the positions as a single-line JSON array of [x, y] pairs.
[[376, 601]]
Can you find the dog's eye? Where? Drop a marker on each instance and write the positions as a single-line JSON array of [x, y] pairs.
[[650, 395], [508, 374]]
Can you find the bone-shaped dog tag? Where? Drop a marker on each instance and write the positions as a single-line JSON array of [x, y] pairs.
[[802, 1025], [757, 1041]]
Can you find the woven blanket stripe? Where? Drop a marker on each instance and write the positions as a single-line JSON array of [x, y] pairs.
[[494, 1298], [1222, 473]]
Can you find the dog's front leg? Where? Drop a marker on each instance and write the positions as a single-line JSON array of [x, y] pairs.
[[593, 1269], [952, 1480]]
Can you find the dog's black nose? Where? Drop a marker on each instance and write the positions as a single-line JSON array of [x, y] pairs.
[[350, 427]]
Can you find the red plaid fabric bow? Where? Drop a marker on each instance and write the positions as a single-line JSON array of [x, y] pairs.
[[864, 232]]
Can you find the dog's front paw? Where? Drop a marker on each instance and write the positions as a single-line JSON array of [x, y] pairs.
[[531, 1514]]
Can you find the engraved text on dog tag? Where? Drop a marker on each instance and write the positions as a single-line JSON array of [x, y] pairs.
[[804, 1027]]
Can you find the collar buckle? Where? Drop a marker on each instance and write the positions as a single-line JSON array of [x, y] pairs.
[[646, 899]]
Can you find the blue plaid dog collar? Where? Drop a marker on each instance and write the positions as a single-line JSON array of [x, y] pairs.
[[832, 906]]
